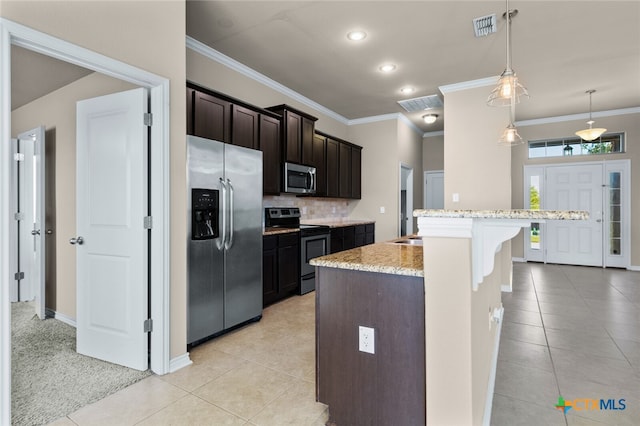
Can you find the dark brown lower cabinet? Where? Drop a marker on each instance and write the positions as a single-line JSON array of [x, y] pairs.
[[348, 237], [280, 267], [384, 388]]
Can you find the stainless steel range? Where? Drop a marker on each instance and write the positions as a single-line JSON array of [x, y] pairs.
[[315, 241]]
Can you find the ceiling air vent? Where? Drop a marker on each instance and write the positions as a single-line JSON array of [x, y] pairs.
[[418, 104], [484, 25]]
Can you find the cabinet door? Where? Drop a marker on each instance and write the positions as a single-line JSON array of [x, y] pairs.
[[307, 141], [332, 167], [269, 270], [337, 240], [370, 232], [293, 137], [212, 117], [270, 147], [289, 268], [360, 235], [349, 237], [190, 93], [356, 172], [244, 130], [320, 163], [344, 171]]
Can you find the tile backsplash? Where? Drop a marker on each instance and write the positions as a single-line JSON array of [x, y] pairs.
[[310, 207]]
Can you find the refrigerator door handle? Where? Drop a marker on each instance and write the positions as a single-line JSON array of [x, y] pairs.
[[229, 243], [223, 231]]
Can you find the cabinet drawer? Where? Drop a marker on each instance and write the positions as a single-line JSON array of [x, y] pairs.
[[269, 242], [370, 227], [291, 239], [360, 229]]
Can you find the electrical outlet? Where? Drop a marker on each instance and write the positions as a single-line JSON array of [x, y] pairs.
[[366, 340], [456, 198]]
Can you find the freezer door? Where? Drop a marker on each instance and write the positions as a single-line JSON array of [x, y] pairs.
[[205, 258], [243, 257]]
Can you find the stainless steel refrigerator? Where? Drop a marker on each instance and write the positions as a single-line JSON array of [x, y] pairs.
[[224, 247]]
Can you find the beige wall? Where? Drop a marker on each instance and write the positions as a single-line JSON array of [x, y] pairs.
[[630, 124], [380, 176], [476, 167], [148, 35], [433, 153], [57, 112]]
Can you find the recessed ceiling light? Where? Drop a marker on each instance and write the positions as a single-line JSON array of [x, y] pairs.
[[387, 68], [356, 35], [407, 90]]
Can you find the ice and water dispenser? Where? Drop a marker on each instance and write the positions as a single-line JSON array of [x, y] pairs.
[[204, 214]]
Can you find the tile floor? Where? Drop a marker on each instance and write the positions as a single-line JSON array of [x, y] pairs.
[[570, 331], [262, 374]]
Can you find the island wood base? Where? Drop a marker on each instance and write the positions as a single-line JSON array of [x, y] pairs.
[[385, 388]]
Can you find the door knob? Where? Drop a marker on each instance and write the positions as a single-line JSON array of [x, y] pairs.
[[35, 232], [77, 240]]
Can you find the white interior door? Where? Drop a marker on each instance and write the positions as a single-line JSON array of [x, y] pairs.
[[111, 240], [434, 190], [575, 187], [28, 201]]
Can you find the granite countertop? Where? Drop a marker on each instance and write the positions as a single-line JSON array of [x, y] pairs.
[[337, 223], [276, 231], [386, 258], [505, 214]]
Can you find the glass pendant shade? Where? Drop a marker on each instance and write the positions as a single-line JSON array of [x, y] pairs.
[[508, 87], [510, 136], [590, 133]]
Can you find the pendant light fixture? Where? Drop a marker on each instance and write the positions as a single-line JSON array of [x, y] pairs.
[[590, 133], [510, 136], [508, 87]]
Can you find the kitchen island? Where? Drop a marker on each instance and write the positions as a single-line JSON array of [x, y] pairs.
[[452, 310], [379, 286]]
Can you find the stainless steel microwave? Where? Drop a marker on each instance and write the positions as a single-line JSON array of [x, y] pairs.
[[299, 179]]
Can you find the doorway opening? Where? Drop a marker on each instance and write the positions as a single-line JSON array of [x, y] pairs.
[[603, 189], [405, 225], [15, 34]]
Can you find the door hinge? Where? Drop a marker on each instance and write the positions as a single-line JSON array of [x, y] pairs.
[[18, 216], [148, 119], [148, 325], [148, 222], [18, 156], [19, 276]]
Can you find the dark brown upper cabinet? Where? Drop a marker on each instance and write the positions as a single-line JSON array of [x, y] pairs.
[[356, 172], [270, 147], [333, 177], [212, 117], [315, 156], [344, 173], [245, 127], [298, 129]]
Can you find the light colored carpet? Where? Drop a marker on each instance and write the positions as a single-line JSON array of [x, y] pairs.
[[49, 378]]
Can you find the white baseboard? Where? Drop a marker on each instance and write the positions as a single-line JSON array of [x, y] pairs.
[[506, 288], [519, 260], [486, 421], [633, 268], [180, 362], [60, 317]]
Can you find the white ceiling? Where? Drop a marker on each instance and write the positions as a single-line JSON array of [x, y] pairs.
[[560, 50]]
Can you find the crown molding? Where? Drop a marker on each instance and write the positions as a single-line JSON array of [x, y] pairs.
[[472, 84], [576, 117], [241, 68], [432, 134]]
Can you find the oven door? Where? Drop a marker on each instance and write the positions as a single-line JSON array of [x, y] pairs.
[[311, 247]]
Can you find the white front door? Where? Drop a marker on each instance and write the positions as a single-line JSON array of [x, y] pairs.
[[111, 240], [28, 201], [575, 187]]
